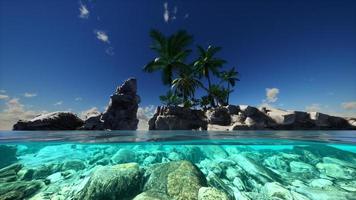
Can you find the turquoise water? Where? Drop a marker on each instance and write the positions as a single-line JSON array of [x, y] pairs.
[[141, 165]]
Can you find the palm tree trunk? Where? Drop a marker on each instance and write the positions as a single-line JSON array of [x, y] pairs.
[[212, 103], [228, 94]]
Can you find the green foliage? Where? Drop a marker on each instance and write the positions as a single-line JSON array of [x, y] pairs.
[[185, 79], [170, 99], [172, 52]]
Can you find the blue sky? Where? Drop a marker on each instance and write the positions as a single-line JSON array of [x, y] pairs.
[[71, 55]]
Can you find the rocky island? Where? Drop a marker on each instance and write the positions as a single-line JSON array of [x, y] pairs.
[[121, 114]]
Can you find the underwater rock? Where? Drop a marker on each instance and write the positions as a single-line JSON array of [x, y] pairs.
[[257, 171], [9, 173], [51, 121], [274, 190], [152, 195], [19, 190], [113, 182], [219, 116], [303, 169], [319, 151], [276, 162], [73, 164], [8, 155], [320, 183], [121, 113], [330, 194], [123, 156], [43, 171], [210, 193], [177, 118], [180, 180], [336, 171], [215, 181]]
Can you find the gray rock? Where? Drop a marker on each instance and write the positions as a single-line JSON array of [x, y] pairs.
[[275, 190], [121, 113], [19, 189], [124, 156], [336, 171], [177, 118], [113, 182], [51, 121], [219, 116], [73, 164], [304, 169], [210, 193], [255, 170], [232, 109], [178, 180]]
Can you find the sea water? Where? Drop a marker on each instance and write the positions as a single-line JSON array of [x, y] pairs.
[[184, 165]]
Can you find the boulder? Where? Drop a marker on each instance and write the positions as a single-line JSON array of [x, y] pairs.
[[51, 121], [210, 193], [8, 155], [121, 113], [19, 189], [113, 182], [179, 180], [219, 116], [177, 118], [93, 122], [275, 190], [282, 117]]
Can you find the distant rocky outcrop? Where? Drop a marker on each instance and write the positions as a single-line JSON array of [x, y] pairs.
[[120, 114], [51, 121], [177, 118], [244, 117]]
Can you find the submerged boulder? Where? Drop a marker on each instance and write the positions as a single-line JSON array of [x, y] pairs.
[[177, 118], [121, 181], [19, 189], [178, 180], [51, 121]]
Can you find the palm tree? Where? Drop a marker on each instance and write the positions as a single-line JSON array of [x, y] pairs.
[[231, 78], [172, 51], [170, 99], [207, 64], [187, 83], [219, 94]]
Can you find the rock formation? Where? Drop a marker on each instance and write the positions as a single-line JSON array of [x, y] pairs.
[[51, 121], [120, 114], [122, 109], [177, 118], [243, 117]]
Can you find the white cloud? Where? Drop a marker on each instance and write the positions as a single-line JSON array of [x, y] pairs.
[[84, 12], [349, 105], [2, 91], [143, 115], [315, 107], [13, 112], [102, 36], [170, 16], [78, 99], [166, 12], [271, 94], [90, 112], [29, 95], [3, 96], [58, 103]]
